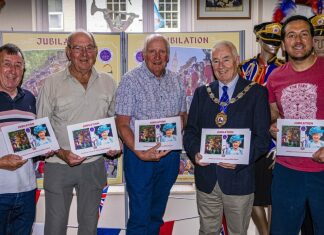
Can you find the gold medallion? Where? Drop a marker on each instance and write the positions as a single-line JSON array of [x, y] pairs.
[[221, 119]]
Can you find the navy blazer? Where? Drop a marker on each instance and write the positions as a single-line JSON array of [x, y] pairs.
[[251, 111]]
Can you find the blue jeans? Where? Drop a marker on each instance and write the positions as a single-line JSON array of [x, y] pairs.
[[148, 185], [17, 213], [291, 190]]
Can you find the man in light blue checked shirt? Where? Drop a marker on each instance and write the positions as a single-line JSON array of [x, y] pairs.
[[149, 91]]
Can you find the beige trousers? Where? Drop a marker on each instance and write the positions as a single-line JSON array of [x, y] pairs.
[[237, 210]]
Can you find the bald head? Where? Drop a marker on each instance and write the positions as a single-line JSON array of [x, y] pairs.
[[79, 32], [156, 37], [156, 54]]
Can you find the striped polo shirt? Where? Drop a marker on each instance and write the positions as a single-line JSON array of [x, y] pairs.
[[22, 108]]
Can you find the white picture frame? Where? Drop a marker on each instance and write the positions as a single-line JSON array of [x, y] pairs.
[[225, 145], [166, 131], [30, 139], [299, 137], [93, 137]]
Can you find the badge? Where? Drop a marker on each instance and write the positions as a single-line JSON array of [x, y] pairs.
[[221, 119]]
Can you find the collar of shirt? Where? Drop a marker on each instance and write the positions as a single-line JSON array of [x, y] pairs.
[[231, 86], [20, 94], [149, 74], [94, 74]]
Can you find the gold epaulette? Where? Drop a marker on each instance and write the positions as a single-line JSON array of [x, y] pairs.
[[247, 60], [279, 62]]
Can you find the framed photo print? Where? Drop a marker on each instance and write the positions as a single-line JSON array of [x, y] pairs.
[[30, 139], [299, 137], [223, 9], [93, 137], [166, 131], [225, 145]]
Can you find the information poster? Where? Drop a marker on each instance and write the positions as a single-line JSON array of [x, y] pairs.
[[45, 54]]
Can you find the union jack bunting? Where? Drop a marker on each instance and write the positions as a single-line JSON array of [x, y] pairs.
[[103, 198], [224, 227]]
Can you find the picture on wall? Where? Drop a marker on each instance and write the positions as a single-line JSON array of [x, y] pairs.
[[223, 9]]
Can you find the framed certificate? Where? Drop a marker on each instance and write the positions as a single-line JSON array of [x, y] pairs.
[[167, 131], [93, 137], [30, 139], [225, 145], [299, 137]]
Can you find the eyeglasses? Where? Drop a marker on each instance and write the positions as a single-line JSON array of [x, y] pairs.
[[80, 49]]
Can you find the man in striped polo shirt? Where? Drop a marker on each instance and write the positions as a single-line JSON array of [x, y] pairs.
[[17, 177]]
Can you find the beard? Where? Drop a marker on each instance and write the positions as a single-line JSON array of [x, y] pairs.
[[308, 54]]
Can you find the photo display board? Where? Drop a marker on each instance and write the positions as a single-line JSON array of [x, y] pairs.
[[118, 53], [45, 54], [189, 56]]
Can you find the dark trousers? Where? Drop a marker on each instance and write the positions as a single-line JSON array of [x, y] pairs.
[[17, 213], [291, 191], [307, 227], [148, 185]]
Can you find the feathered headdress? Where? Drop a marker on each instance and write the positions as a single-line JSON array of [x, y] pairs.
[[316, 5], [284, 7]]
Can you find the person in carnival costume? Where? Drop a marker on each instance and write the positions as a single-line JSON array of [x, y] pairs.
[[258, 69]]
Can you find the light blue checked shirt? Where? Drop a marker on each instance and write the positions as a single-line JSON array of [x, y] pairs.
[[142, 96]]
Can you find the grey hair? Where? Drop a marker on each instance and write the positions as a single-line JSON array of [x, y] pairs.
[[152, 37], [227, 44], [71, 35]]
